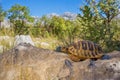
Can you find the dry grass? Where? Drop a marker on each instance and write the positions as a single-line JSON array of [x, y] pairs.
[[47, 43], [6, 43]]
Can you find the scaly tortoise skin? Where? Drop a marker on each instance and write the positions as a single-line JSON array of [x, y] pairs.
[[82, 50]]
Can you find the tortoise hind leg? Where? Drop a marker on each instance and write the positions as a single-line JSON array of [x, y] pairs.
[[105, 57], [92, 60]]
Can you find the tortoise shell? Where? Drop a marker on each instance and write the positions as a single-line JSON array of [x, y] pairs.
[[82, 50]]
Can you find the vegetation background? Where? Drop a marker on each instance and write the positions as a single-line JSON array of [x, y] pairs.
[[98, 21]]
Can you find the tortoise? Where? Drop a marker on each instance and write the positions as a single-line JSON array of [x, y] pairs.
[[82, 50]]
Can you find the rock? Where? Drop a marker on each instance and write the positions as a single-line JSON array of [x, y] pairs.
[[26, 62], [23, 39], [5, 24]]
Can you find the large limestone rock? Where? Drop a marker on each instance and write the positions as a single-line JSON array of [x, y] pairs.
[[23, 39], [26, 62]]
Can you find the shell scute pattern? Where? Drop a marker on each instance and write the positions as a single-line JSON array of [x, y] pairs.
[[83, 50]]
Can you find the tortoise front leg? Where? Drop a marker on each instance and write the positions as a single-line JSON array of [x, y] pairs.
[[74, 58]]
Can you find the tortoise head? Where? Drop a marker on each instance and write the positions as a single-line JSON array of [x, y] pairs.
[[62, 49]]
